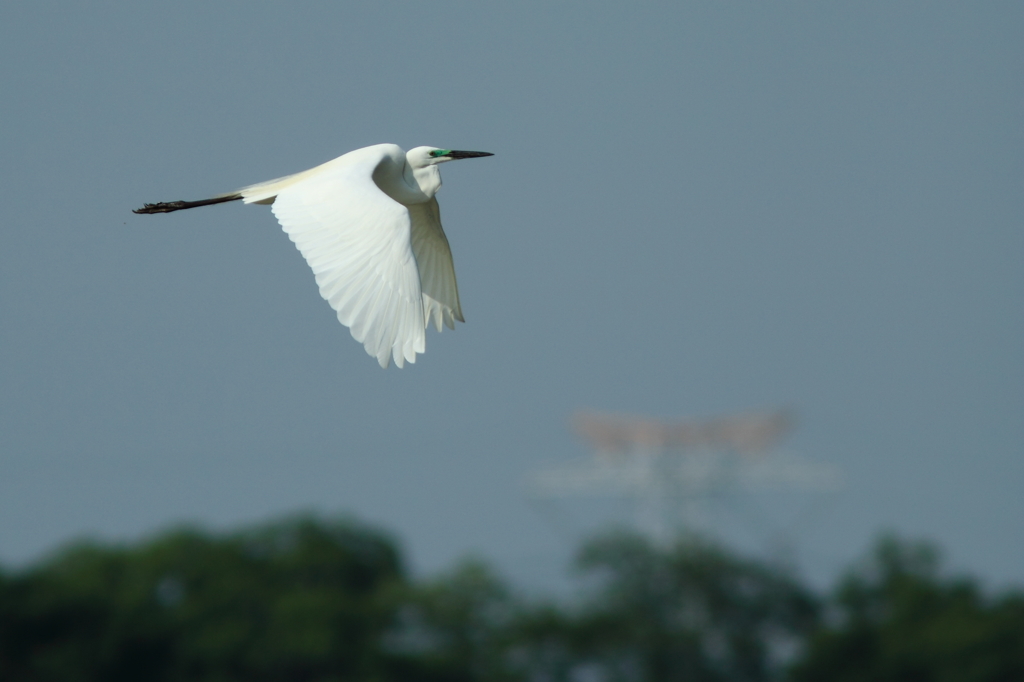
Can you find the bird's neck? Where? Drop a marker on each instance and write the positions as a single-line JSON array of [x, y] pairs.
[[427, 180], [407, 185]]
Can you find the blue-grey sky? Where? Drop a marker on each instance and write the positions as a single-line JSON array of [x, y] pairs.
[[694, 208]]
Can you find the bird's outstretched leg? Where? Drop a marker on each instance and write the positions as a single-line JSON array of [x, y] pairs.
[[168, 206]]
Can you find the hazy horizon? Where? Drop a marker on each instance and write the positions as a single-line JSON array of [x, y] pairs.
[[692, 211]]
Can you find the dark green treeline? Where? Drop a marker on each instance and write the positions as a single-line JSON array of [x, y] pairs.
[[308, 600]]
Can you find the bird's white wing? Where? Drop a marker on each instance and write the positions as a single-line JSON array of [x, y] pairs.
[[437, 272], [357, 241]]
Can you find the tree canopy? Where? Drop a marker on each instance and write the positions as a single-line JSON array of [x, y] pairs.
[[897, 618], [309, 600]]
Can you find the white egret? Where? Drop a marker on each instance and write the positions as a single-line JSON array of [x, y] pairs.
[[370, 228]]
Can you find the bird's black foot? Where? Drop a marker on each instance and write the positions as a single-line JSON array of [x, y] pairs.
[[162, 207], [168, 206]]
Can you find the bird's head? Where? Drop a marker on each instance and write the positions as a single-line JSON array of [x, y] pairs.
[[421, 157]]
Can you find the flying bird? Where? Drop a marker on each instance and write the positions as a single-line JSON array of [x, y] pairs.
[[368, 225]]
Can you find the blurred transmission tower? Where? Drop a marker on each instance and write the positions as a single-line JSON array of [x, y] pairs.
[[670, 469]]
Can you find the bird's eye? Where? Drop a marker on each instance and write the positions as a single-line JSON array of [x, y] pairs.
[[439, 152]]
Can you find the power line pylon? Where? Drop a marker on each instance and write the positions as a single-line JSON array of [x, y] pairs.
[[670, 469]]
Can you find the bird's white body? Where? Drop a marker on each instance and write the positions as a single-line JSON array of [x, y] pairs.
[[389, 167], [368, 225]]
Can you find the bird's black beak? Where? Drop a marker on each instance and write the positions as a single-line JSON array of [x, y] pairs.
[[456, 154]]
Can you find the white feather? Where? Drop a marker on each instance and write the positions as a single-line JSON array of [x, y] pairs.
[[369, 227], [386, 268]]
